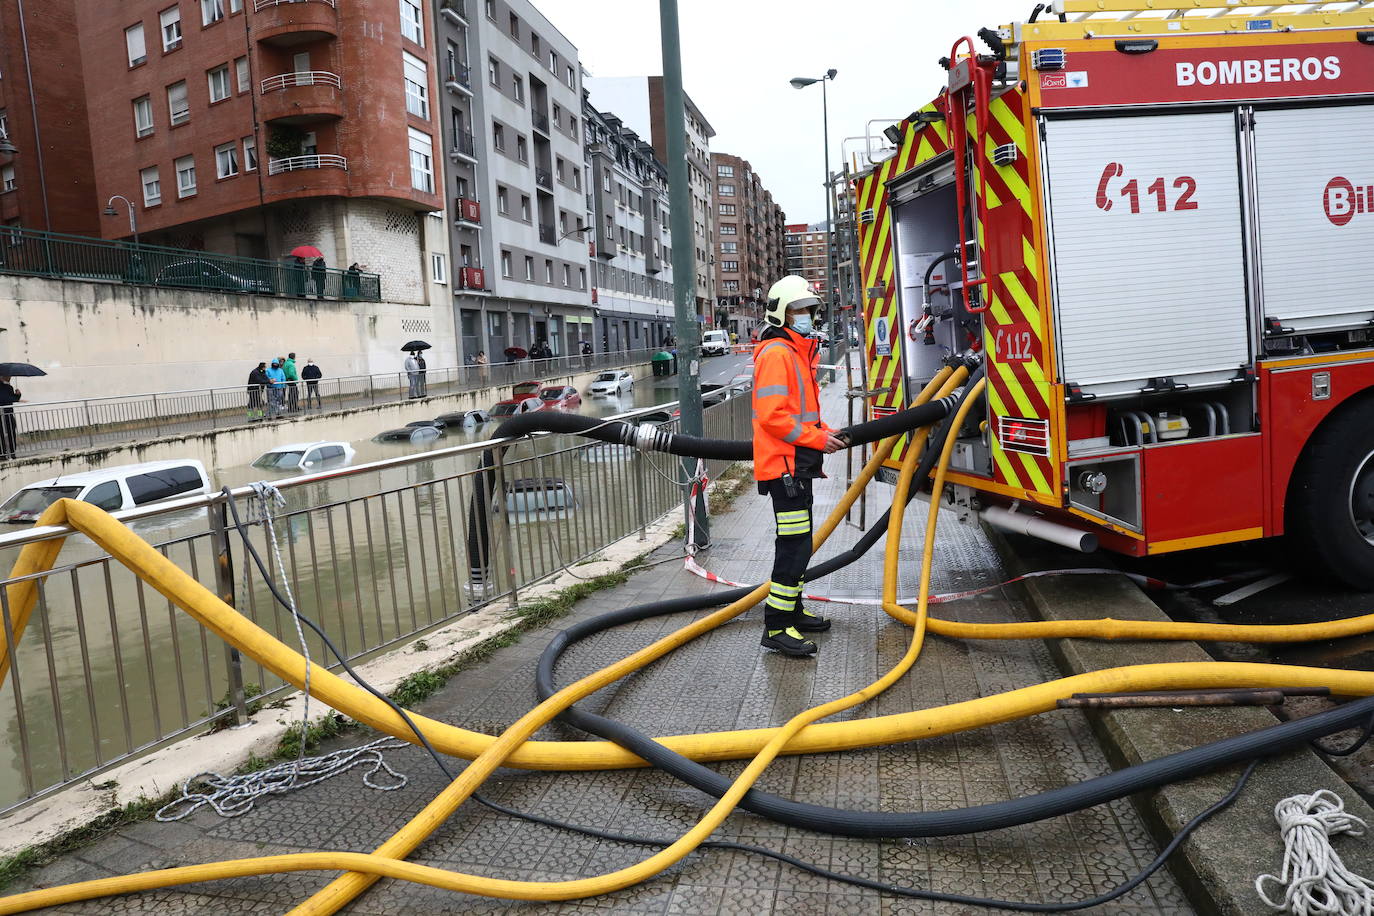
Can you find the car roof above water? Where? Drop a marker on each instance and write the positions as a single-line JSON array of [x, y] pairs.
[[83, 478]]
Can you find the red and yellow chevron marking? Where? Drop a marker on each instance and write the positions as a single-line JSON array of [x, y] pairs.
[[1017, 388]]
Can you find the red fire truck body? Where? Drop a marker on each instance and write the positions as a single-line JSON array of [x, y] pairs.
[[1157, 228]]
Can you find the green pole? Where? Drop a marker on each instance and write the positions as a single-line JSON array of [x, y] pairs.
[[684, 258]]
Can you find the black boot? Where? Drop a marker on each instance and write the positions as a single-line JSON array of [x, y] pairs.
[[788, 642], [808, 622]]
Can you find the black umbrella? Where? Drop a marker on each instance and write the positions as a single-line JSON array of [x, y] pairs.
[[9, 370], [416, 345]]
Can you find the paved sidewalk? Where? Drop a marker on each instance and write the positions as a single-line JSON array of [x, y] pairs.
[[721, 681]]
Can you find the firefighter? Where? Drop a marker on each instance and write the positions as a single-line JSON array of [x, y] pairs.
[[789, 443]]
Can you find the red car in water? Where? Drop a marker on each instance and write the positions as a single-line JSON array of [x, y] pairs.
[[521, 394], [560, 397]]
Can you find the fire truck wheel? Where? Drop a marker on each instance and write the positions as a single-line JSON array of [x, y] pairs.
[[1331, 501]]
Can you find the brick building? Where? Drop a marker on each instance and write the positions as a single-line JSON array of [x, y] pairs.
[[806, 253], [254, 126], [751, 253]]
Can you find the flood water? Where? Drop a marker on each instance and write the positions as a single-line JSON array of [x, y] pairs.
[[108, 666]]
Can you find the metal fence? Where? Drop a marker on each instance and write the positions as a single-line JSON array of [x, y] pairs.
[[375, 554], [34, 253], [92, 422]]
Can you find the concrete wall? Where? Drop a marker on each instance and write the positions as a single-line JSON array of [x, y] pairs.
[[101, 339]]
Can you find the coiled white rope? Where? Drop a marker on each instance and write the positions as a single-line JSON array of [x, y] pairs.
[[231, 796], [1314, 880]]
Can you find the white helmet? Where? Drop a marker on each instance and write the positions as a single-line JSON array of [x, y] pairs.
[[788, 294]]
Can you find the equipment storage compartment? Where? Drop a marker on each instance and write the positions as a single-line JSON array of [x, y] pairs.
[[1314, 177], [1148, 259]]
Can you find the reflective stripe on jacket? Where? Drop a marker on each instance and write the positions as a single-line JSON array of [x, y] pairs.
[[787, 407]]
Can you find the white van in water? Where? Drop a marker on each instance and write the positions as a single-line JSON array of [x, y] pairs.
[[112, 489], [715, 343]]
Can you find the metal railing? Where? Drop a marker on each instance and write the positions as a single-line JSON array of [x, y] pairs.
[[99, 422], [452, 8], [34, 253], [540, 121], [302, 78], [463, 145], [543, 178], [295, 163], [376, 555], [546, 234], [260, 5]]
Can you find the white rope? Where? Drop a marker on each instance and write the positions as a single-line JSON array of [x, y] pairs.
[[231, 796], [1314, 880]]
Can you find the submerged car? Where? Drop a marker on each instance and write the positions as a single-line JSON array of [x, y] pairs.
[[510, 408], [424, 432], [301, 455], [464, 418], [112, 489], [611, 384], [560, 397], [529, 496]]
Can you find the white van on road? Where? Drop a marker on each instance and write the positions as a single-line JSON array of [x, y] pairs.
[[715, 343], [121, 487]]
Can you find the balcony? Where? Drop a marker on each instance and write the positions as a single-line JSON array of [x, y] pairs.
[[285, 23], [546, 234], [468, 212], [464, 148], [315, 161], [543, 178], [472, 278], [455, 10], [303, 97], [540, 121], [306, 176], [459, 79]]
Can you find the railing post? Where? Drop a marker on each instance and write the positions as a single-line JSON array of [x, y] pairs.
[[506, 528], [157, 415], [90, 424], [214, 417], [224, 582], [371, 392], [641, 499]]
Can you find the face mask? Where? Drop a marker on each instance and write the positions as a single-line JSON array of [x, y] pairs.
[[801, 323]]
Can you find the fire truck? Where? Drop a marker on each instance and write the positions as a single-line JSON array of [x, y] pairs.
[[1155, 221]]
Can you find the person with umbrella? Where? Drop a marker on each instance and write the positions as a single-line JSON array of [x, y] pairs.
[[9, 396], [414, 367], [302, 256]]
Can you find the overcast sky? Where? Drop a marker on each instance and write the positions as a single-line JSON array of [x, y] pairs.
[[737, 56]]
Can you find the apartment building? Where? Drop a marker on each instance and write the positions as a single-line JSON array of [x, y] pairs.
[[515, 178], [46, 183], [631, 244], [806, 252], [254, 126], [638, 101], [751, 253]]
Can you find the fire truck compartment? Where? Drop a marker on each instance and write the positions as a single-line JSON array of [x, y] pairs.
[[1314, 178], [1147, 251]]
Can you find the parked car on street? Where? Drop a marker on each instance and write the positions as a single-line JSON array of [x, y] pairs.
[[198, 274], [112, 489], [560, 397], [611, 384], [299, 456]]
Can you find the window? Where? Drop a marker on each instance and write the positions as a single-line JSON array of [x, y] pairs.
[[548, 271], [226, 160], [412, 21], [515, 26], [581, 278], [522, 150], [505, 264], [727, 190], [143, 116], [236, 6], [250, 154], [558, 167], [577, 178], [186, 176], [535, 47], [572, 78], [417, 85], [241, 74], [106, 496], [553, 60], [518, 87], [219, 83], [729, 229], [567, 275], [438, 270], [451, 60], [525, 207], [727, 209], [731, 267], [502, 201], [211, 11], [572, 125], [725, 171], [729, 247], [171, 28], [178, 108], [155, 485], [494, 71], [7, 182], [133, 40], [491, 14], [421, 161], [152, 186], [557, 114], [498, 137], [529, 267]]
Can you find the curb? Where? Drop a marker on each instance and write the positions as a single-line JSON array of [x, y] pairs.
[[1219, 862]]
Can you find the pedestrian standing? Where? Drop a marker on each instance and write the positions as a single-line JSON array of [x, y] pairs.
[[412, 367], [790, 443], [353, 281], [9, 425], [424, 383], [293, 394], [298, 276], [320, 273], [257, 387], [312, 375], [276, 382]]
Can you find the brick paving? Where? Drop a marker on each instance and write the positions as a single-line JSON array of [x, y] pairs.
[[721, 681]]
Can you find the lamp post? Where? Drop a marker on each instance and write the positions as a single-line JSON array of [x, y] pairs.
[[133, 222], [801, 82]]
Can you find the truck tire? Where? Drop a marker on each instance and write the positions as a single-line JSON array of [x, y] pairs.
[[1331, 499]]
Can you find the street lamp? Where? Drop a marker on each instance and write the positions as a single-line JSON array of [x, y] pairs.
[[801, 82], [110, 211]]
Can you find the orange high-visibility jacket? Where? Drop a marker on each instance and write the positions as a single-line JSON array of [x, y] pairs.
[[787, 408]]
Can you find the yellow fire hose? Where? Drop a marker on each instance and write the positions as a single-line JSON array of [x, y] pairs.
[[511, 748]]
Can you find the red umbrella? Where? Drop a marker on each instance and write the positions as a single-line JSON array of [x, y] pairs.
[[306, 251]]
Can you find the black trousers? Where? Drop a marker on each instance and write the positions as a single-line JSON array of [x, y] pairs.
[[791, 551]]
